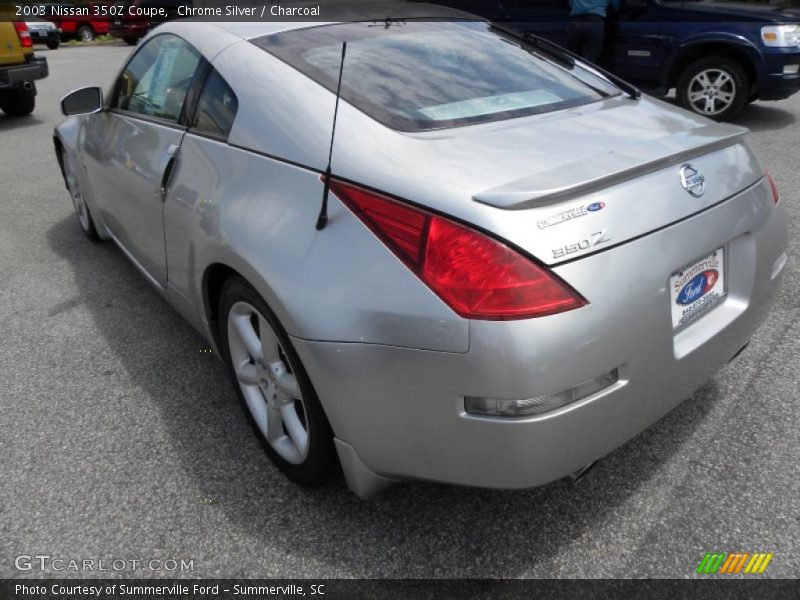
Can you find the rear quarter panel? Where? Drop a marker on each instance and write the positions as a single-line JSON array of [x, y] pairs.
[[257, 216]]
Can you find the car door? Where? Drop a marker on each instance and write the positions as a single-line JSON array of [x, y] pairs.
[[634, 46], [132, 147]]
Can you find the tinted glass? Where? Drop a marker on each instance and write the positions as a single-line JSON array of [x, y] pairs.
[[155, 81], [424, 75], [216, 108]]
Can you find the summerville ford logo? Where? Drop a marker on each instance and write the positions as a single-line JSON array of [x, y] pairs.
[[697, 287]]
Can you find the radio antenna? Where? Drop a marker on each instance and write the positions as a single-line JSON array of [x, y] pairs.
[[322, 219]]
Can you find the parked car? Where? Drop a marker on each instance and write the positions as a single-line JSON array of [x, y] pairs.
[[44, 32], [132, 27], [502, 267], [718, 56], [19, 69], [77, 26]]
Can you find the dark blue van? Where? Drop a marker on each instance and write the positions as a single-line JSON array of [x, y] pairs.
[[718, 56]]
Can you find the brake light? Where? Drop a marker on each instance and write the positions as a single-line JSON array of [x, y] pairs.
[[776, 198], [24, 35], [476, 275]]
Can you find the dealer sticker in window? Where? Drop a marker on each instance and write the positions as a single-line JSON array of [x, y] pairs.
[[697, 288]]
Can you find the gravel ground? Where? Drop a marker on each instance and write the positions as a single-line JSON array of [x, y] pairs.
[[121, 439]]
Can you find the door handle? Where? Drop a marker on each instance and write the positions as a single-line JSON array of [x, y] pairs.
[[169, 159]]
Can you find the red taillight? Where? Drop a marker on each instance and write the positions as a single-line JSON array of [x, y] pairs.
[[24, 35], [477, 276], [775, 196]]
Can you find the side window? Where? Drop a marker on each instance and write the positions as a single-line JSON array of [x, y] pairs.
[[155, 81], [216, 107]]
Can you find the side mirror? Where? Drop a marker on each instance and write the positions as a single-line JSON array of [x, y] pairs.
[[629, 6], [83, 101]]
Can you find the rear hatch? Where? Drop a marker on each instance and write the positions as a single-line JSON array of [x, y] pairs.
[[567, 184], [492, 130]]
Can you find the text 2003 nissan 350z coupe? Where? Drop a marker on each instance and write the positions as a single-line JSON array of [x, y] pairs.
[[524, 264]]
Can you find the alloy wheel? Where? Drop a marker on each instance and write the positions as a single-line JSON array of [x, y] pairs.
[[78, 201], [711, 91], [267, 382]]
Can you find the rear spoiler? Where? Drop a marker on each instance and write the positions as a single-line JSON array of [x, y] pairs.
[[615, 166]]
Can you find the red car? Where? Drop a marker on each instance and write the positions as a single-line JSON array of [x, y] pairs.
[[83, 27]]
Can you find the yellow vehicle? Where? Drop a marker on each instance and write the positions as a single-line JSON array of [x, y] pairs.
[[19, 68]]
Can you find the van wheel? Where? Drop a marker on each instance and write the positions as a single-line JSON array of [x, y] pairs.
[[17, 103], [85, 33], [53, 45], [274, 388], [715, 87]]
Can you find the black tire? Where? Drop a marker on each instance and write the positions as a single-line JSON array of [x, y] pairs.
[[85, 33], [737, 84], [53, 45], [131, 41], [87, 225], [321, 462], [17, 103]]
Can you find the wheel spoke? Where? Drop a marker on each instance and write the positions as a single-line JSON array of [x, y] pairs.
[[695, 96], [288, 387], [726, 98], [294, 427], [246, 373], [269, 343], [703, 79], [248, 336], [722, 79], [258, 408], [709, 105], [274, 431]]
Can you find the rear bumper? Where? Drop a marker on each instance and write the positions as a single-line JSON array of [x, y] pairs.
[[16, 76], [45, 37], [402, 410]]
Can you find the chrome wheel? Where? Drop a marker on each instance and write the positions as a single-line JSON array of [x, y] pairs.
[[78, 201], [711, 91], [267, 382]]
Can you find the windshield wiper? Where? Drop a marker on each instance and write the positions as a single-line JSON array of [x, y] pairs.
[[565, 57]]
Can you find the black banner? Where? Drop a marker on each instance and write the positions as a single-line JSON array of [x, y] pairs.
[[417, 589]]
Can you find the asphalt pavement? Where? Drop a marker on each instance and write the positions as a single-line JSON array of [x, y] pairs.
[[121, 439]]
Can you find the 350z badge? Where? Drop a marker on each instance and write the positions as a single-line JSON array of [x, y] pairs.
[[595, 239]]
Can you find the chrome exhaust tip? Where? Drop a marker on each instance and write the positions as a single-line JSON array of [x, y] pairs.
[[27, 85]]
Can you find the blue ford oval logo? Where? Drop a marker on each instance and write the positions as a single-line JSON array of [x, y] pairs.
[[595, 206], [697, 287]]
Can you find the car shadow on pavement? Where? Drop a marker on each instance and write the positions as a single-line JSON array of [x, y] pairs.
[[11, 123], [415, 529], [765, 117]]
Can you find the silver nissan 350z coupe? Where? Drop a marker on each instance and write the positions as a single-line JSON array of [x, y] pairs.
[[525, 262]]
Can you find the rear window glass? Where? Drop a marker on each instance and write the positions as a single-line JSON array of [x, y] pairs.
[[419, 75]]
